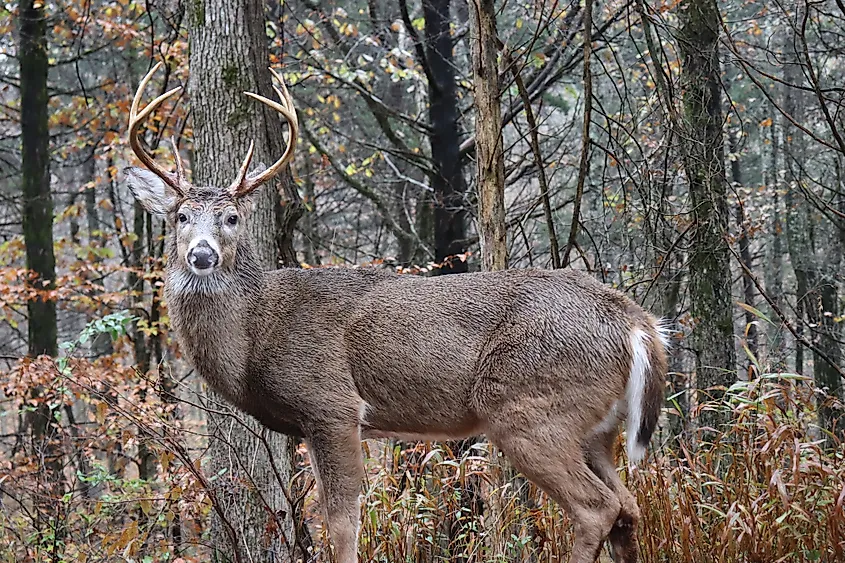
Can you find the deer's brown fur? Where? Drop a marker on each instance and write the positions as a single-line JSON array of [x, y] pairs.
[[545, 363]]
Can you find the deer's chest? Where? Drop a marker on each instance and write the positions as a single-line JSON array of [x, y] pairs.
[[224, 359], [216, 345]]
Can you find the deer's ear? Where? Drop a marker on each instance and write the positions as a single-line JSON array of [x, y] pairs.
[[151, 192]]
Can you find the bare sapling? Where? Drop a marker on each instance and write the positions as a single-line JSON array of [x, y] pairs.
[[546, 364]]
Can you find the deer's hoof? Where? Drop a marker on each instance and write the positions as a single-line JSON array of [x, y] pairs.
[[623, 540]]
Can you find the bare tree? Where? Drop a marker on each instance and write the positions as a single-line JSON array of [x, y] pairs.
[[489, 157]]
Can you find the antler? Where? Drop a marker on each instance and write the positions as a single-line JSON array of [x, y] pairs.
[[176, 181], [244, 185]]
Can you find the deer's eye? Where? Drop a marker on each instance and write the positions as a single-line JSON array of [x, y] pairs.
[[182, 218], [232, 220]]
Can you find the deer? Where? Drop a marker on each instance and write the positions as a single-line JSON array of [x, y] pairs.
[[546, 364]]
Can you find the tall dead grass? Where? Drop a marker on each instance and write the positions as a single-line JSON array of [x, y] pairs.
[[767, 486]]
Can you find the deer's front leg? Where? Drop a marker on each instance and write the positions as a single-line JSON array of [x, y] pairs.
[[339, 469]]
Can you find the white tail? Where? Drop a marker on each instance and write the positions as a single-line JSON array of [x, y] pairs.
[[635, 393]]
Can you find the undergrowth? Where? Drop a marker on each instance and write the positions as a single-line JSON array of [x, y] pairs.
[[766, 486]]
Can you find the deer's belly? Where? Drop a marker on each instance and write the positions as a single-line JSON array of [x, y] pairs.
[[385, 427], [276, 423], [403, 400]]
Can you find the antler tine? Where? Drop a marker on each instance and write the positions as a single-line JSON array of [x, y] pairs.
[[239, 180], [285, 96], [177, 181], [133, 111], [180, 170], [243, 185]]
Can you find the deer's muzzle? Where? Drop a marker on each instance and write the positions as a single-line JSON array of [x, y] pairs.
[[202, 258]]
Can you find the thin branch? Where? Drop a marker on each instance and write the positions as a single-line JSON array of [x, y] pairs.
[[362, 189], [538, 158], [585, 137], [814, 81], [418, 44]]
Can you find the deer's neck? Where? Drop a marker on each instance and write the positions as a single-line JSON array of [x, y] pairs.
[[211, 316]]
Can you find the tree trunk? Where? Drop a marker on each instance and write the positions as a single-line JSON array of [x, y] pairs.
[[447, 180], [229, 55], [135, 283], [489, 157], [709, 264], [40, 261], [35, 167], [814, 261]]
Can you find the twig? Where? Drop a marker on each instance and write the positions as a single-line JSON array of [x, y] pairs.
[[585, 137]]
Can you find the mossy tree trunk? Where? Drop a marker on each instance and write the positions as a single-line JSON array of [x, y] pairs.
[[704, 161], [229, 55], [37, 214]]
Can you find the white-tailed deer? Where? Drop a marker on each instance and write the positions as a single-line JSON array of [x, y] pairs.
[[546, 364]]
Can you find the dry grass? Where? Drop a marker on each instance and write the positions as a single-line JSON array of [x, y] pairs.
[[765, 487]]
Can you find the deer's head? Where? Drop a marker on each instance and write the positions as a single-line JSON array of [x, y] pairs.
[[207, 222]]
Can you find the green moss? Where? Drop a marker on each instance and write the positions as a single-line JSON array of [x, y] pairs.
[[230, 76], [199, 12]]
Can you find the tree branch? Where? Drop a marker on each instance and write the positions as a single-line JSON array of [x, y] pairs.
[[584, 166]]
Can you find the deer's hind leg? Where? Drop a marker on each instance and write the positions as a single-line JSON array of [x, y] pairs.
[[623, 536], [339, 468], [545, 446]]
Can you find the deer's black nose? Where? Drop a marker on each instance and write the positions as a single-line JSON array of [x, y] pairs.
[[202, 256]]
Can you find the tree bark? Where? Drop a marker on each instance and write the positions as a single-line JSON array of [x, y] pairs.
[[37, 217], [35, 166], [229, 55], [489, 155], [709, 264], [447, 180], [815, 267]]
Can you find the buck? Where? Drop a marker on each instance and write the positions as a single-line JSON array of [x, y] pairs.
[[546, 364]]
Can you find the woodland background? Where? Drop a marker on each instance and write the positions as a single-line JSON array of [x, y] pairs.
[[688, 152]]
